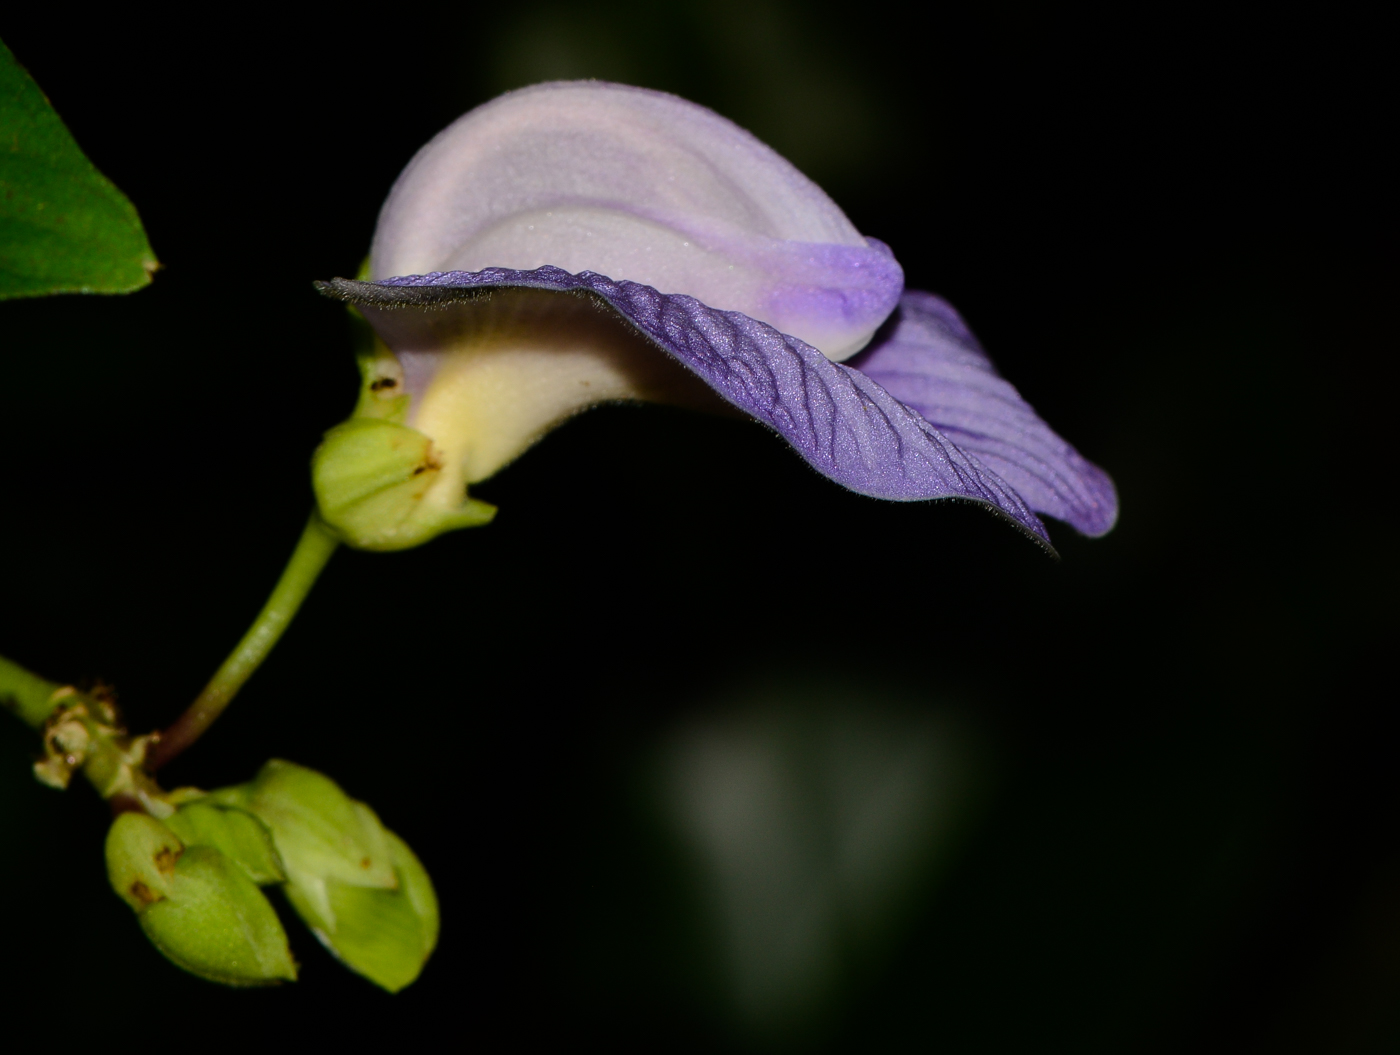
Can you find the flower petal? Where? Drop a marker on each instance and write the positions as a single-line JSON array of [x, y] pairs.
[[642, 186], [840, 420], [929, 360]]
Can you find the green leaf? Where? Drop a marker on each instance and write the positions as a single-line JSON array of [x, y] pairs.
[[64, 228]]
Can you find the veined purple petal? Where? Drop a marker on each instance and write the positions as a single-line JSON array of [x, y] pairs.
[[840, 420], [643, 186], [929, 360]]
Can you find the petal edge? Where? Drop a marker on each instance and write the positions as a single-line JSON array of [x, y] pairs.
[[928, 359], [840, 420]]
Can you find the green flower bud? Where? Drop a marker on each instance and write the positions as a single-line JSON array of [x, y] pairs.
[[379, 486], [235, 833], [197, 906], [355, 884]]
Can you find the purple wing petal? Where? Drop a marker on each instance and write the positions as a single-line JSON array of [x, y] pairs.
[[840, 420], [930, 361]]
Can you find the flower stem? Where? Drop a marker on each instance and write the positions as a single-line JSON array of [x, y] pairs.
[[28, 695], [313, 550]]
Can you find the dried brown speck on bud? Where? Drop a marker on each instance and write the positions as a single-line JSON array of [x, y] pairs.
[[144, 894]]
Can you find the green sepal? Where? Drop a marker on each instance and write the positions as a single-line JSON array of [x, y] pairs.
[[197, 906], [384, 935], [371, 477], [382, 392], [319, 831], [237, 834], [356, 884], [141, 855], [64, 228], [215, 923]]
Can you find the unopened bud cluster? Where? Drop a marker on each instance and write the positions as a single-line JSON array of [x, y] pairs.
[[194, 878]]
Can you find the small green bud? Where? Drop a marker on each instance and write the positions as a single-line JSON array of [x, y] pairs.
[[379, 486], [235, 833], [355, 883], [197, 906]]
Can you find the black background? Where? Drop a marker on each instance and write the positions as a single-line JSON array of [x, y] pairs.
[[1166, 232]]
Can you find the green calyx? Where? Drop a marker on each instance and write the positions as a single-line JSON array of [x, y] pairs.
[[197, 904], [379, 484], [374, 482], [353, 882]]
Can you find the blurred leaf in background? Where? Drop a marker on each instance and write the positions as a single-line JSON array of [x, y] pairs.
[[64, 228], [789, 833], [812, 816]]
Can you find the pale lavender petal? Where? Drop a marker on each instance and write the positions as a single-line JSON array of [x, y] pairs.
[[840, 420], [646, 187], [929, 360]]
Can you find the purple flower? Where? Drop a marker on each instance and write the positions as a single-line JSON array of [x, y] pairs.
[[579, 242]]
